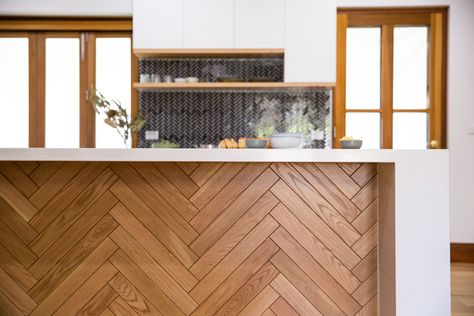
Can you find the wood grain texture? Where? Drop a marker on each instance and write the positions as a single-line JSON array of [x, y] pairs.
[[188, 238]]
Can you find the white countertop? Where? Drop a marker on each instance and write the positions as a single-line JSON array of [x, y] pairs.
[[254, 155]]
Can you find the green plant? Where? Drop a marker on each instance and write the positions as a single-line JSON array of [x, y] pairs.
[[116, 116]]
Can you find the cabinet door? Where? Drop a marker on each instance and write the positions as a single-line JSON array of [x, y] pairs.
[[208, 23], [260, 23], [157, 24], [310, 52]]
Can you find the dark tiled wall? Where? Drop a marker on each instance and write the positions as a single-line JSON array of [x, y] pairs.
[[209, 69], [190, 118]]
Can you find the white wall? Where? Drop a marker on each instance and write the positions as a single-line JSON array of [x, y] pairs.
[[66, 7], [460, 107]]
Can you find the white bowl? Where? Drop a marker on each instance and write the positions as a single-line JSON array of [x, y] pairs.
[[192, 79], [286, 140], [179, 80]]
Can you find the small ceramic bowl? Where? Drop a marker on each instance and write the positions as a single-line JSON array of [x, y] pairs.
[[192, 79], [286, 140], [256, 143], [351, 144], [179, 80]]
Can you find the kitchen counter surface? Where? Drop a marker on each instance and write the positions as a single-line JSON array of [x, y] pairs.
[[231, 155]]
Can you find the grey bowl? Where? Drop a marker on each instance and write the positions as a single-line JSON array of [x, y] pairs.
[[351, 144], [256, 143]]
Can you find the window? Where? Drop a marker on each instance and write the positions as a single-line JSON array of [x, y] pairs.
[[390, 88], [46, 67], [14, 87]]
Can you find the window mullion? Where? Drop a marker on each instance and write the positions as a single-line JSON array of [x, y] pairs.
[[387, 87], [87, 74]]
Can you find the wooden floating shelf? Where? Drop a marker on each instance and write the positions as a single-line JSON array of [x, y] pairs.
[[231, 85], [209, 53]]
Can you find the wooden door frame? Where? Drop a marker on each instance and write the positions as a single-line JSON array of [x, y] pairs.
[[37, 29], [387, 18]]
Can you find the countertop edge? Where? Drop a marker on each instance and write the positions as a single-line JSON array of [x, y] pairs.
[[209, 155]]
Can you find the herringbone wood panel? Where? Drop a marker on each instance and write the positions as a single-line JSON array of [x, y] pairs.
[[188, 238]]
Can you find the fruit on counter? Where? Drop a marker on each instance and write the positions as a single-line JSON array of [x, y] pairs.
[[228, 143], [349, 138]]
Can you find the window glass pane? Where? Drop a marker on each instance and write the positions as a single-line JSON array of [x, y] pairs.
[[113, 80], [363, 68], [14, 92], [410, 131], [365, 126], [62, 92], [410, 67]]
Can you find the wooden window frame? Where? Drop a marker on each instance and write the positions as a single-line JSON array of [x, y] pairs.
[[387, 18], [86, 29]]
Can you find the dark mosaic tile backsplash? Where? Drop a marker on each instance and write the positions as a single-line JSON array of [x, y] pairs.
[[190, 118], [209, 69]]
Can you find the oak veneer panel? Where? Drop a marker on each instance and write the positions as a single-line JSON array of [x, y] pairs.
[[73, 281], [154, 271], [227, 195], [254, 194], [88, 290], [18, 178], [15, 294], [315, 224], [7, 307], [27, 166], [147, 192], [71, 213], [216, 180], [145, 285], [17, 201], [67, 194], [154, 223], [340, 178], [233, 236], [237, 279], [15, 246], [261, 303], [246, 294], [16, 270], [281, 308], [130, 295], [73, 258], [349, 167], [315, 248], [318, 204], [190, 238], [294, 297], [99, 302], [204, 171], [16, 223], [177, 177], [154, 247], [45, 170], [328, 190], [305, 285], [52, 181], [120, 307], [74, 234]]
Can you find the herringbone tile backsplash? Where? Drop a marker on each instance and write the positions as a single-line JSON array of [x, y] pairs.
[[190, 118], [209, 69]]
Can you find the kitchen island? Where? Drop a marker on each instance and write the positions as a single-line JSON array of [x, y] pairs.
[[221, 231]]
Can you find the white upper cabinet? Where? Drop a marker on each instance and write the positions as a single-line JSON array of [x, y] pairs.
[[208, 23], [260, 23], [310, 51], [157, 24]]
